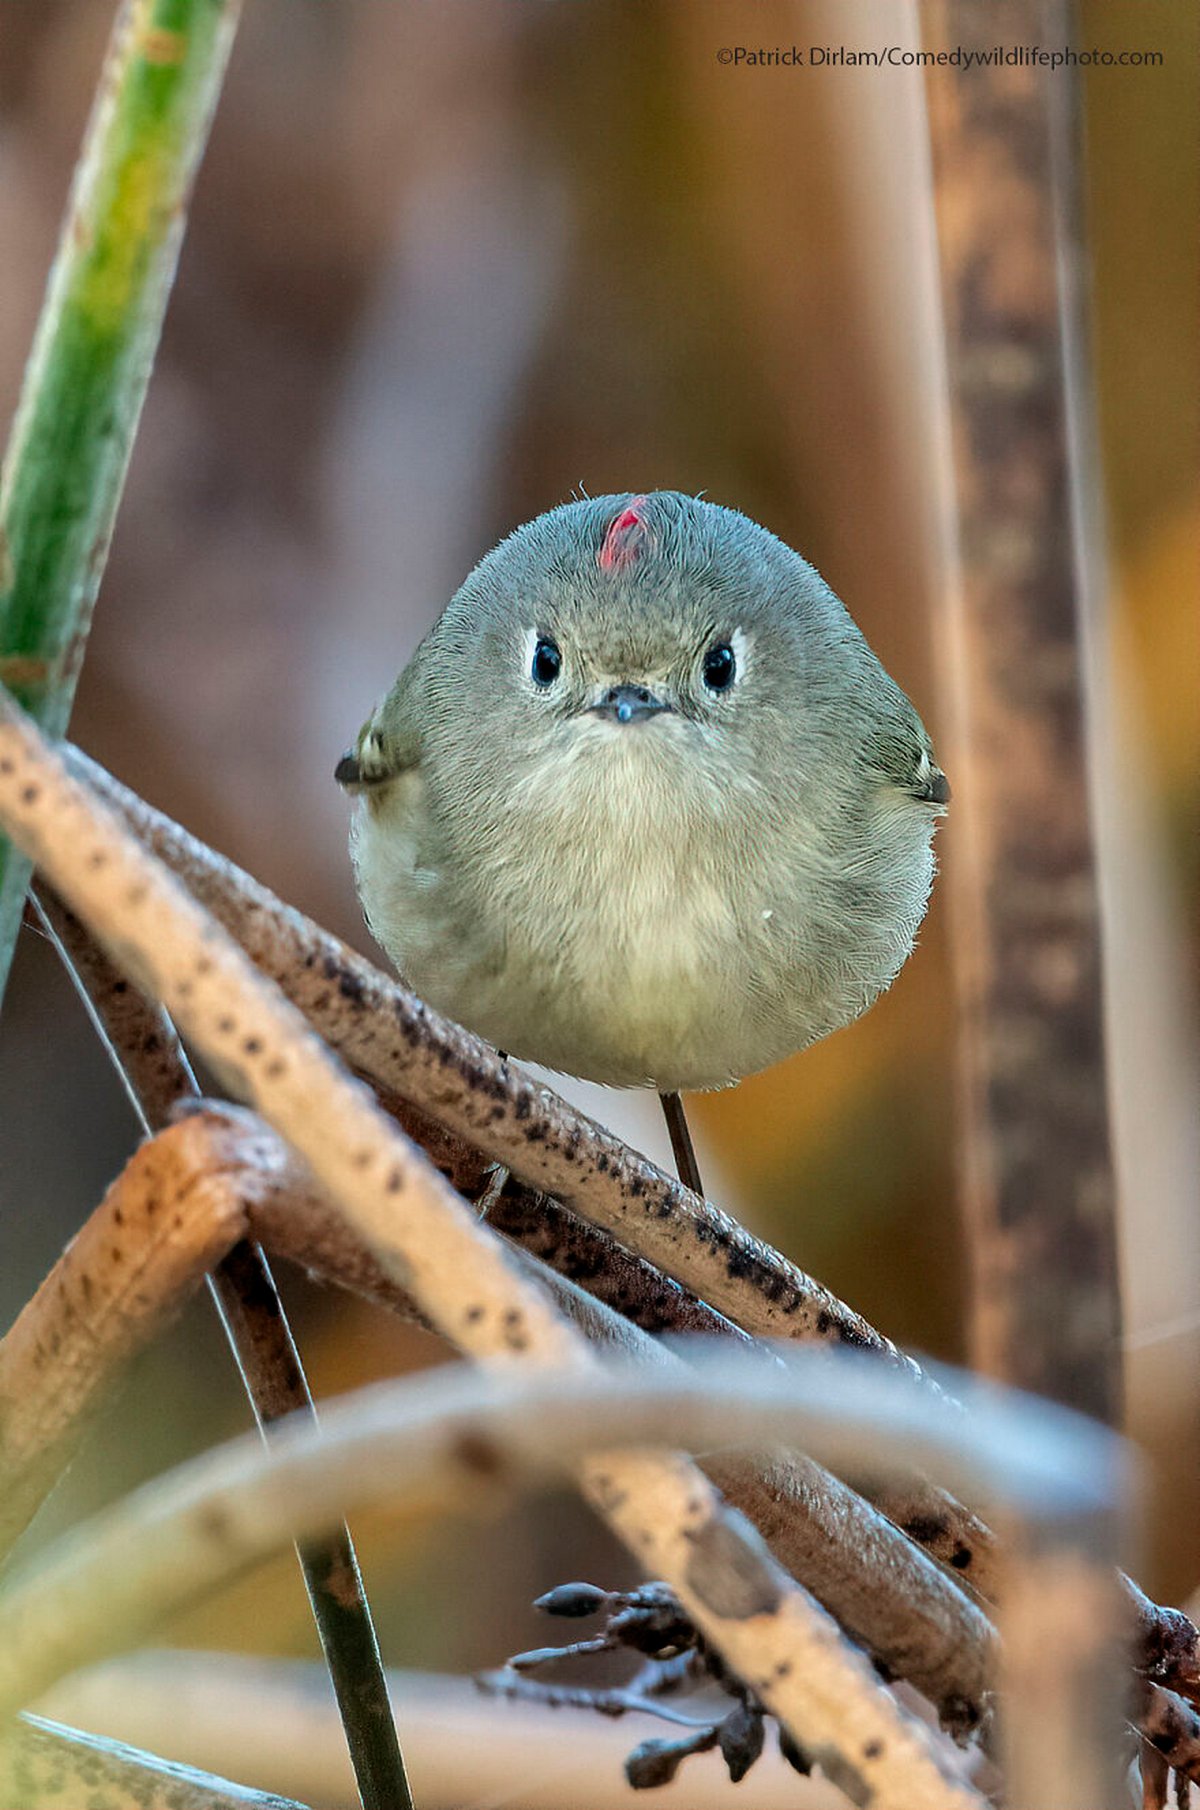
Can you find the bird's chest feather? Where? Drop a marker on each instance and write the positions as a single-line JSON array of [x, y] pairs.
[[622, 875]]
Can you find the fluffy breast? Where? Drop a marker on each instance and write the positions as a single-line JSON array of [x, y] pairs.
[[621, 927]]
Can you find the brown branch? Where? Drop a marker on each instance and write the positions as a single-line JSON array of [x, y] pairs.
[[147, 1054], [570, 1246], [185, 1199], [167, 1219], [1170, 1727]]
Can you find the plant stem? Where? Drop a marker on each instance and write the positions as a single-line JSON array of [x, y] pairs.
[[244, 1291], [92, 353]]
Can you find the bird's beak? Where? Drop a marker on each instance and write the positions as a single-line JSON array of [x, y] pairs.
[[628, 704]]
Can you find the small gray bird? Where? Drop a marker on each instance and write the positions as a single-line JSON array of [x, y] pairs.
[[644, 806]]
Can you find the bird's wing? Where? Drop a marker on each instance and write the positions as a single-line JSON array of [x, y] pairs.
[[389, 742]]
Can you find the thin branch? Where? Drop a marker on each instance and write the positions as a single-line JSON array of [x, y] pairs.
[[91, 358], [405, 1049], [147, 1054], [427, 1237], [1170, 1726], [44, 1766]]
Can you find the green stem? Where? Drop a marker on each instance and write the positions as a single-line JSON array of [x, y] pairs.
[[92, 354]]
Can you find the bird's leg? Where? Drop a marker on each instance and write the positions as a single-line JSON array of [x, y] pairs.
[[686, 1166]]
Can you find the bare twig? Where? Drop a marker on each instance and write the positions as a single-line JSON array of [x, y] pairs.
[[260, 1047], [224, 1164], [1170, 1727], [184, 1200], [147, 1054], [586, 1254], [44, 1766]]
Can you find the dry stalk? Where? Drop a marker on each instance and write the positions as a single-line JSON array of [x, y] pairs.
[[1039, 1191], [768, 1630], [1170, 1727], [163, 1224], [185, 1199]]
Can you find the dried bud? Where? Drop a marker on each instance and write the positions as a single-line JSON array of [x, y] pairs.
[[740, 1737], [793, 1753], [573, 1600], [656, 1762]]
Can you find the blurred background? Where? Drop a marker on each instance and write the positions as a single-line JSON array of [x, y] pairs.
[[445, 263]]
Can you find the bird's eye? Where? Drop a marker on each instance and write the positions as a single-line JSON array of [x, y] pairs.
[[547, 661], [720, 666]]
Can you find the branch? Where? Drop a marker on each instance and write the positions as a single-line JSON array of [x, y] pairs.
[[184, 1200], [90, 364], [147, 1054]]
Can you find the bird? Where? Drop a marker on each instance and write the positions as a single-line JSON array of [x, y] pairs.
[[643, 806]]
